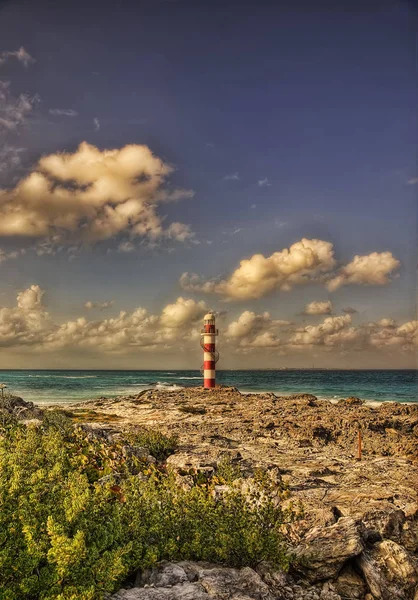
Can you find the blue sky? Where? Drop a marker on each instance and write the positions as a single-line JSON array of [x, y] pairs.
[[286, 121]]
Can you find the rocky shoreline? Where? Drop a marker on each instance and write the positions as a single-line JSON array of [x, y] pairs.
[[358, 538]]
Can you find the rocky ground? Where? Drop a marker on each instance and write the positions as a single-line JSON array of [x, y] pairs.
[[359, 536]]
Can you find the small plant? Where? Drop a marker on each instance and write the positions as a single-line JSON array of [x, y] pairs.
[[226, 471], [159, 445]]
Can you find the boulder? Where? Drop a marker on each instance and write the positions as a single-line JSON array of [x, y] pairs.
[[384, 521], [390, 571], [324, 550]]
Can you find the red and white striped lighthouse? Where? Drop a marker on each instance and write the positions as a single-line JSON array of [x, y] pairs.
[[210, 354]]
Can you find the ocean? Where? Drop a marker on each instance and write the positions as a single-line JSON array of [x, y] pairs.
[[74, 386]]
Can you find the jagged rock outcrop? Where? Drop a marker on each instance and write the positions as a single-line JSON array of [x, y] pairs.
[[19, 408], [325, 550], [390, 572], [205, 581]]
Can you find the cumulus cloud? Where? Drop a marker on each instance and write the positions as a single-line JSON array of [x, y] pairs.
[[27, 324], [306, 261], [259, 275], [232, 177], [323, 333], [21, 55], [372, 269], [64, 112], [29, 327], [318, 308], [96, 123], [181, 312], [413, 181], [100, 305], [253, 330], [31, 299], [92, 195]]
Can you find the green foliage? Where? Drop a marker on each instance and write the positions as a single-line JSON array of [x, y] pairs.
[[159, 445], [77, 515], [226, 471]]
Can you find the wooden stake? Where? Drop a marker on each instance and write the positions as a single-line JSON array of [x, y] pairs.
[[359, 444]]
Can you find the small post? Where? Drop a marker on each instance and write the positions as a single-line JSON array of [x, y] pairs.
[[3, 386], [359, 441]]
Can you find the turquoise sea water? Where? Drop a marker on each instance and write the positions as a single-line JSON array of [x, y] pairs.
[[73, 386]]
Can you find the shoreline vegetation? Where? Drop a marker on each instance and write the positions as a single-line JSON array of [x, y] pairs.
[[193, 494]]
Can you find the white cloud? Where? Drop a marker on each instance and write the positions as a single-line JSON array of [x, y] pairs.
[[318, 308], [100, 305], [372, 269], [13, 111], [92, 195], [183, 311], [259, 275], [65, 112], [126, 247], [413, 181], [263, 182], [31, 299], [10, 158], [256, 331], [29, 327], [323, 333], [4, 255], [179, 232], [232, 177], [21, 55], [27, 324], [96, 123]]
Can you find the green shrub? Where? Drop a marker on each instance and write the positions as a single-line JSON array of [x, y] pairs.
[[226, 471], [77, 516], [159, 445]]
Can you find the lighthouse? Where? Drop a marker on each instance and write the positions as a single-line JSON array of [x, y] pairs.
[[210, 354]]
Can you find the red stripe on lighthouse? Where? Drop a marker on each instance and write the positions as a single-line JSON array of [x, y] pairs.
[[209, 365]]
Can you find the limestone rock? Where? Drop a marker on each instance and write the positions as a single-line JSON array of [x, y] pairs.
[[188, 580], [181, 591], [19, 408], [384, 521], [324, 551], [166, 574], [390, 571]]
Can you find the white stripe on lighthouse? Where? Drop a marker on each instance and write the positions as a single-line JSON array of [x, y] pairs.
[[209, 374]]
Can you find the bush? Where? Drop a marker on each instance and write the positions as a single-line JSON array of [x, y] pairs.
[[159, 445], [77, 516]]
